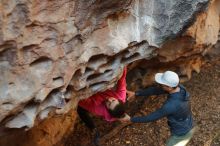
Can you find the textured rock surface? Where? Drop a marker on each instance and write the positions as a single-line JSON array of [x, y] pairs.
[[51, 45], [76, 48], [185, 53], [47, 133]]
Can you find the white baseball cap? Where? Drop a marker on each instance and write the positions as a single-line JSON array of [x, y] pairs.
[[168, 78]]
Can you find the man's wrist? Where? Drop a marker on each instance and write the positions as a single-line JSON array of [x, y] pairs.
[[136, 93]]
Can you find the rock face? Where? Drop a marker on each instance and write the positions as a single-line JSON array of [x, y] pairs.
[[47, 133], [76, 48], [185, 53]]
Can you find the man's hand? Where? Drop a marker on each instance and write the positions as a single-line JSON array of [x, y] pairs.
[[130, 95], [126, 118]]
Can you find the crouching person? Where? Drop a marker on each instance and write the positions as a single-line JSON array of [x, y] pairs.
[[108, 104], [176, 108]]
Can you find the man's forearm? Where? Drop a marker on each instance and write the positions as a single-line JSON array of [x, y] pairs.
[[139, 119], [150, 91], [160, 113]]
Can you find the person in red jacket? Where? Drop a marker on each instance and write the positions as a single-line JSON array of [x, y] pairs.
[[108, 104]]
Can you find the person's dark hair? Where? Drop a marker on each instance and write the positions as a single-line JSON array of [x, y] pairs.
[[118, 111]]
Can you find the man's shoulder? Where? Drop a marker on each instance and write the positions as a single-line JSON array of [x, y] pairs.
[[171, 104]]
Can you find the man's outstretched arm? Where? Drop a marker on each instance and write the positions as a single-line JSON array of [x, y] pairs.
[[158, 114], [150, 91], [149, 118], [164, 111]]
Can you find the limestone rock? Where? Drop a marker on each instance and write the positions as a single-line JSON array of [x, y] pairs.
[[49, 132], [184, 54], [77, 48]]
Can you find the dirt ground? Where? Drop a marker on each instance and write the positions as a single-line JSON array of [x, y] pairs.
[[205, 100]]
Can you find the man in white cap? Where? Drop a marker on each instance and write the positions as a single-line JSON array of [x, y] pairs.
[[176, 108]]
